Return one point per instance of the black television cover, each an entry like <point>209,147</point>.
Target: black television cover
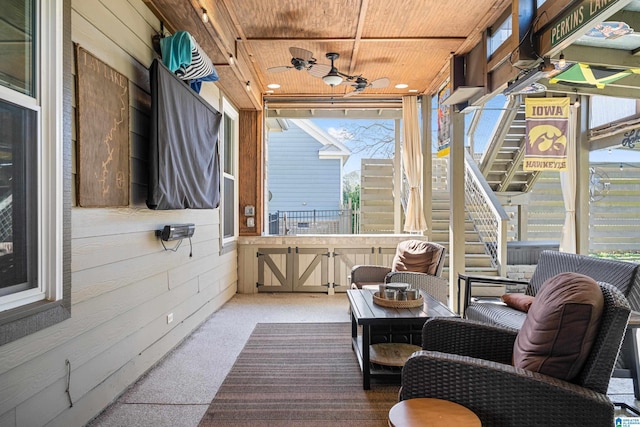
<point>184,166</point>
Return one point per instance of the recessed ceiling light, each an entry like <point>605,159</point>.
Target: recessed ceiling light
<point>402,86</point>
<point>273,86</point>
<point>413,90</point>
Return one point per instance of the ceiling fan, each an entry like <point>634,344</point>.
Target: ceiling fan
<point>302,59</point>
<point>335,77</point>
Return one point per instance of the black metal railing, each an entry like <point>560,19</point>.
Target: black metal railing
<point>339,221</point>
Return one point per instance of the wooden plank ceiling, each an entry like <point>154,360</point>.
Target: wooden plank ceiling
<point>406,41</point>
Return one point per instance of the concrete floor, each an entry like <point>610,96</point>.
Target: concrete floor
<point>178,390</point>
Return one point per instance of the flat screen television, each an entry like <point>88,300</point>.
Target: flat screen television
<point>184,166</point>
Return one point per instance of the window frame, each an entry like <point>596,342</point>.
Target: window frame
<point>28,311</point>
<point>229,111</point>
<point>503,24</point>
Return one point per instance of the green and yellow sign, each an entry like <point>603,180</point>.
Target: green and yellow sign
<point>582,15</point>
<point>547,122</point>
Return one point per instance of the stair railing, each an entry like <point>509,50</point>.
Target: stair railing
<point>488,216</point>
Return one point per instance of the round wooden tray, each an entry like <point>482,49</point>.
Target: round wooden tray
<point>397,303</point>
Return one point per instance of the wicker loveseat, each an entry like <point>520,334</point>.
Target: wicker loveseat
<point>470,363</point>
<point>625,276</point>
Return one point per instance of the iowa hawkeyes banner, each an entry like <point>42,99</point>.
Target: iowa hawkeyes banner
<point>547,121</point>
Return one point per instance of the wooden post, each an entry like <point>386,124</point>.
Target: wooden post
<point>582,177</point>
<point>457,208</point>
<point>427,164</point>
<point>397,182</point>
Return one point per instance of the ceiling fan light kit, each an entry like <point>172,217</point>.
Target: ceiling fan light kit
<point>333,78</point>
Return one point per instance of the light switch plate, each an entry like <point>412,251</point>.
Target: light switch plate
<point>249,210</point>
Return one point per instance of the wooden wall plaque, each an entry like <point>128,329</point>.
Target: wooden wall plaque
<point>102,103</point>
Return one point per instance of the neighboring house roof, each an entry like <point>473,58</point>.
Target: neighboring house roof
<point>332,147</point>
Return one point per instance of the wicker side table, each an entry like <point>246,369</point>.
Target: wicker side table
<point>431,412</point>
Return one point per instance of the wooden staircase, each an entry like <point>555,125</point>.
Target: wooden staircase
<point>376,206</point>
<point>502,161</point>
<point>476,259</point>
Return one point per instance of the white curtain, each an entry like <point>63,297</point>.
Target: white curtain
<point>568,184</point>
<point>412,160</point>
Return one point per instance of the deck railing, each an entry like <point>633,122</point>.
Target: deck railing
<point>488,216</point>
<point>313,221</point>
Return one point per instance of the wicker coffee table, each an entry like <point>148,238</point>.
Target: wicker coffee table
<point>387,325</point>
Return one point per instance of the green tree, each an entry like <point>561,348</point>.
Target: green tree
<point>351,190</point>
<point>354,195</point>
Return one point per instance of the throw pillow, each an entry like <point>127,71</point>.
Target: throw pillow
<point>561,325</point>
<point>520,302</point>
<point>416,256</point>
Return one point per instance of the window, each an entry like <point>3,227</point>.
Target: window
<point>17,25</point>
<point>31,152</point>
<point>498,34</point>
<point>229,166</point>
<point>18,197</point>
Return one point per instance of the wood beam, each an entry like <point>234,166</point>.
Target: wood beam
<point>356,42</point>
<point>336,113</point>
<point>351,39</point>
<point>250,172</point>
<point>601,56</point>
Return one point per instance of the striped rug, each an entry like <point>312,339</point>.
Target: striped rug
<point>303,374</point>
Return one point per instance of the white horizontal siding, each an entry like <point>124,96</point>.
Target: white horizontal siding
<point>123,282</point>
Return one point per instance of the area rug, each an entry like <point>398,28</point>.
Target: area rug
<point>303,374</point>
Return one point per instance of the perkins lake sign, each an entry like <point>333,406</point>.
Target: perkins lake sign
<point>582,16</point>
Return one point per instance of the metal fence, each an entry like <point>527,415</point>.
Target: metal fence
<point>339,221</point>
<point>6,219</point>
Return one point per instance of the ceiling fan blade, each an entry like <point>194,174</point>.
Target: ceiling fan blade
<point>380,83</point>
<point>278,69</point>
<point>319,70</point>
<point>303,54</point>
<point>353,92</point>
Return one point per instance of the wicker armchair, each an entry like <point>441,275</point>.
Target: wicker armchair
<point>424,259</point>
<point>469,362</point>
<point>623,275</point>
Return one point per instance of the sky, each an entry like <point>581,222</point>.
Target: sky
<point>492,111</point>
<point>335,128</point>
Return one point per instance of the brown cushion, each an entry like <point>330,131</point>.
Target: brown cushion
<point>560,327</point>
<point>416,256</point>
<point>520,302</point>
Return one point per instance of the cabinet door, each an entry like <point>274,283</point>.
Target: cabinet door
<point>311,269</point>
<point>275,269</point>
